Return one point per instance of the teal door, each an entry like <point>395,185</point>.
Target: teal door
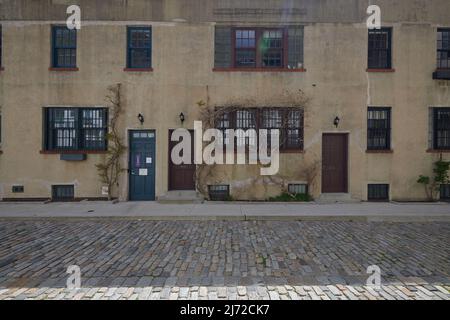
<point>142,165</point>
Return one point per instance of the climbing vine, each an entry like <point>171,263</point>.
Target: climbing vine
<point>110,168</point>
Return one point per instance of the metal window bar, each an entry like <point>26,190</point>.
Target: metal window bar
<point>378,129</point>
<point>219,192</point>
<point>272,48</point>
<point>442,128</point>
<point>63,192</point>
<point>139,47</point>
<point>94,128</point>
<point>298,188</point>
<point>443,49</point>
<point>64,47</point>
<point>245,47</point>
<point>380,50</point>
<point>378,192</point>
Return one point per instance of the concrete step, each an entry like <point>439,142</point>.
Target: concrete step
<point>336,198</point>
<point>181,197</point>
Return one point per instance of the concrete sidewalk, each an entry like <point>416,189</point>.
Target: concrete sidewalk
<point>230,211</point>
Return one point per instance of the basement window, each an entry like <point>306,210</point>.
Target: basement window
<point>298,188</point>
<point>378,192</point>
<point>18,189</point>
<point>219,192</point>
<point>445,192</point>
<point>63,192</point>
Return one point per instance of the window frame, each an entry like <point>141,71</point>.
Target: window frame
<point>387,133</point>
<point>80,132</point>
<point>259,112</point>
<point>389,63</point>
<point>129,49</point>
<point>259,32</point>
<point>438,51</point>
<point>435,129</point>
<point>55,49</point>
<point>1,47</point>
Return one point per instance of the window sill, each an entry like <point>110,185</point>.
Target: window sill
<point>438,151</point>
<point>63,69</point>
<point>380,70</point>
<point>379,151</point>
<point>73,152</point>
<point>257,70</point>
<point>138,69</point>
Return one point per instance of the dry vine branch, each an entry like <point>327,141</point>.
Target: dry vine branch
<point>110,169</point>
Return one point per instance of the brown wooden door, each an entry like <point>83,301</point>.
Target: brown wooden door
<point>334,163</point>
<point>181,177</point>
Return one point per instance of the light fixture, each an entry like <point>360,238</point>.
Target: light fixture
<point>141,118</point>
<point>182,117</point>
<point>336,122</point>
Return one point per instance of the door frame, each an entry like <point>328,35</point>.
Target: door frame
<point>346,160</point>
<point>169,151</point>
<point>129,134</point>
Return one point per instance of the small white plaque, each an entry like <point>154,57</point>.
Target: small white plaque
<point>149,160</point>
<point>143,172</point>
<point>105,190</point>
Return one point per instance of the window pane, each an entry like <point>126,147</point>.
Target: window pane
<point>379,56</point>
<point>245,58</point>
<point>378,128</point>
<point>139,47</point>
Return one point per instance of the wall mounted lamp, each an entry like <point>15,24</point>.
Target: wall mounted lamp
<point>141,118</point>
<point>336,122</point>
<point>182,117</point>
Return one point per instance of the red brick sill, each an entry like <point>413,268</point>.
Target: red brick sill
<point>438,151</point>
<point>138,69</point>
<point>63,69</point>
<point>379,151</point>
<point>73,152</point>
<point>257,70</point>
<point>380,70</point>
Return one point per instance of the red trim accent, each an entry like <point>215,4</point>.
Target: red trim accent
<point>73,152</point>
<point>438,151</point>
<point>379,151</point>
<point>138,69</point>
<point>380,70</point>
<point>257,70</point>
<point>63,69</point>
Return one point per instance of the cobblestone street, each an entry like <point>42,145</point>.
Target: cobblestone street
<point>131,259</point>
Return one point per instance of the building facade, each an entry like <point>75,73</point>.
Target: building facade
<point>361,112</point>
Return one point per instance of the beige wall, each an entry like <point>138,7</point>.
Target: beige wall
<point>336,81</point>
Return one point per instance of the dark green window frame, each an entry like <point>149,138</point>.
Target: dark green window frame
<point>75,129</point>
<point>139,47</point>
<point>64,47</point>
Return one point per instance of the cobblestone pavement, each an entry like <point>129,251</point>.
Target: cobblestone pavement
<point>125,259</point>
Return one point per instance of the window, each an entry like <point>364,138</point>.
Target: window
<point>441,128</point>
<point>139,48</point>
<point>18,189</point>
<point>288,120</point>
<point>379,129</point>
<point>443,49</point>
<point>378,192</point>
<point>62,192</point>
<point>380,49</point>
<point>298,188</point>
<point>64,47</point>
<point>445,192</point>
<point>259,47</point>
<point>1,46</point>
<point>75,129</point>
<point>219,192</point>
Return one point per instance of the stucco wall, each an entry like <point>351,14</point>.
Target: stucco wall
<point>336,81</point>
